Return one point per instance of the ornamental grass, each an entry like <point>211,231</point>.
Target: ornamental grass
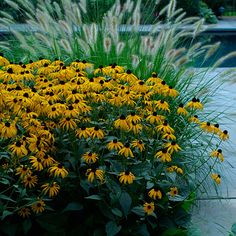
<point>107,134</point>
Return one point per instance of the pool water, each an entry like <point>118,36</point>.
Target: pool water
<point>228,44</point>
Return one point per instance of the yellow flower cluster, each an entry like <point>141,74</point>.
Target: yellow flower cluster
<point>92,105</point>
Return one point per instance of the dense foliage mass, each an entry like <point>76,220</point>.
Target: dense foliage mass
<point>100,151</point>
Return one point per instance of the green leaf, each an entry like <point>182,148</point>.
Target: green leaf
<point>233,228</point>
<point>2,196</point>
<point>175,232</point>
<point>94,197</point>
<point>138,210</point>
<point>112,228</point>
<point>27,224</point>
<point>5,181</point>
<point>73,206</point>
<point>125,202</point>
<point>116,212</point>
<point>142,230</point>
<point>5,214</point>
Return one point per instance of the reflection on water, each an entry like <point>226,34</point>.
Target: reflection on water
<point>228,44</point>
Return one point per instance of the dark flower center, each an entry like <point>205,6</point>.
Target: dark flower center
<point>115,141</point>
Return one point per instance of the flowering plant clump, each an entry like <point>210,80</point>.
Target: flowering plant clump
<point>100,151</point>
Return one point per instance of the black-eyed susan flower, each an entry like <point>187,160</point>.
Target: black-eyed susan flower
<point>97,133</point>
<point>136,128</point>
<point>148,207</point>
<point>173,191</point>
<point>22,171</point>
<point>30,180</point>
<point>164,155</point>
<point>83,132</point>
<point>162,105</point>
<point>122,123</point>
<point>18,149</point>
<point>58,170</point>
<point>181,110</point>
<point>217,153</point>
<point>155,194</point>
<point>126,177</point>
<point>170,91</point>
<point>8,129</point>
<point>24,212</point>
<point>195,104</point>
<point>154,118</point>
<point>133,118</point>
<point>126,151</point>
<point>206,126</point>
<point>93,173</point>
<point>138,144</point>
<point>129,77</point>
<point>172,147</point>
<point>194,119</point>
<point>38,207</point>
<point>165,128</point>
<point>216,128</point>
<point>67,123</point>
<point>47,160</point>
<point>216,178</point>
<point>169,136</point>
<point>154,79</point>
<point>52,189</point>
<point>176,169</point>
<point>224,135</point>
<point>115,145</point>
<point>36,162</point>
<point>90,157</point>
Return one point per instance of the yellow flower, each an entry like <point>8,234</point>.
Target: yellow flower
<point>181,110</point>
<point>138,144</point>
<point>224,135</point>
<point>173,146</point>
<point>37,163</point>
<point>51,188</point>
<point>97,133</point>
<point>126,177</point>
<point>47,160</point>
<point>155,193</point>
<point>194,119</point>
<point>24,212</point>
<point>126,151</point>
<point>114,145</point>
<point>83,132</point>
<point>94,172</point>
<point>58,170</point>
<point>164,155</point>
<point>8,130</point>
<point>148,207</point>
<point>133,118</point>
<point>90,157</point>
<point>18,149</point>
<point>154,118</point>
<point>67,123</point>
<point>173,191</point>
<point>216,177</point>
<point>164,128</point>
<point>38,207</point>
<point>162,105</point>
<point>176,169</point>
<point>23,171</point>
<point>169,136</point>
<point>195,104</point>
<point>154,79</point>
<point>206,126</point>
<point>30,180</point>
<point>217,153</point>
<point>122,123</point>
<point>135,128</point>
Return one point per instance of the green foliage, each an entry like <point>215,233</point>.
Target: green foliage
<point>207,13</point>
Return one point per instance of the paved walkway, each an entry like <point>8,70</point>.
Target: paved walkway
<point>216,213</point>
